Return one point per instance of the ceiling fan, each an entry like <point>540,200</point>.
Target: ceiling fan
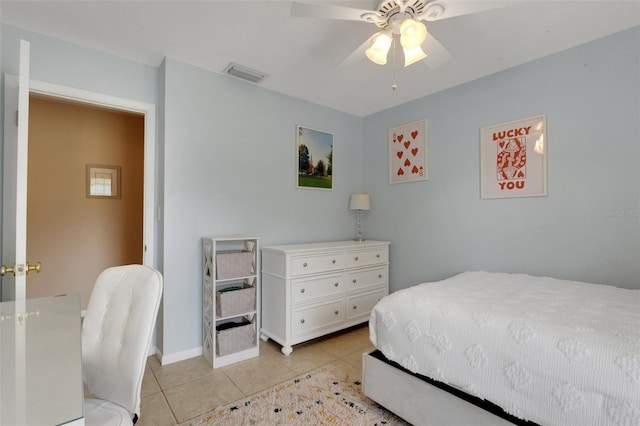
<point>398,19</point>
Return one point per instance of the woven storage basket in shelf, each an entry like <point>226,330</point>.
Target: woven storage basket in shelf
<point>235,302</point>
<point>233,264</point>
<point>235,337</point>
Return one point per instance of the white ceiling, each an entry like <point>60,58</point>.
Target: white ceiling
<point>301,55</point>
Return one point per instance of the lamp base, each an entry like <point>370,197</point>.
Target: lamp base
<point>359,234</point>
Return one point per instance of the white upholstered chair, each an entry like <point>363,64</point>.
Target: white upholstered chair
<point>116,335</point>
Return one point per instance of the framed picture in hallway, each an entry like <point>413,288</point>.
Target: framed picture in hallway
<point>103,181</point>
<point>513,159</point>
<point>314,157</point>
<point>408,156</point>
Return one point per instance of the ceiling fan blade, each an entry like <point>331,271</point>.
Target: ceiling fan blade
<point>438,10</point>
<point>357,55</point>
<point>437,54</point>
<point>327,11</point>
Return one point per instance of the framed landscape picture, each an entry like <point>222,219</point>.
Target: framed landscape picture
<point>314,153</point>
<point>513,159</point>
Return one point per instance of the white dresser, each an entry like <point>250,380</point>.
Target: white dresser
<point>310,290</point>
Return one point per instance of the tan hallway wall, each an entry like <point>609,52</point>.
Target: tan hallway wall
<point>76,237</point>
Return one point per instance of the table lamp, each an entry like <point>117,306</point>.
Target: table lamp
<point>359,203</point>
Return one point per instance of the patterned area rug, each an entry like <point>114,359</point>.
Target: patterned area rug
<point>322,397</point>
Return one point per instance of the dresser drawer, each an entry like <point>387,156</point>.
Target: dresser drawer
<point>308,289</point>
<point>367,257</point>
<point>369,277</point>
<point>362,305</point>
<point>302,265</point>
<point>310,319</point>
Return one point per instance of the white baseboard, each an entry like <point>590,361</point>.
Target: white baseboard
<point>152,350</point>
<point>178,356</point>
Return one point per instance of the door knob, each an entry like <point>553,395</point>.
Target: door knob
<point>37,267</point>
<point>7,270</point>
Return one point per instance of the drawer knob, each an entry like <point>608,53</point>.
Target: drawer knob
<point>355,307</point>
<point>354,280</point>
<point>302,290</point>
<point>336,284</point>
<point>337,312</point>
<point>304,265</point>
<point>378,256</point>
<point>356,258</point>
<point>380,276</point>
<point>333,261</point>
<point>302,321</point>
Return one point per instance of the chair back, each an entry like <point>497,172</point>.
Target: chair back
<point>116,333</point>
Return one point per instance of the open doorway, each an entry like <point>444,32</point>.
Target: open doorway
<point>73,234</point>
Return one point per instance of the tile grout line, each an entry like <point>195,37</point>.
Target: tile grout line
<point>164,397</point>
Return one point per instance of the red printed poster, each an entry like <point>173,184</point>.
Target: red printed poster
<point>513,159</point>
<point>408,153</point>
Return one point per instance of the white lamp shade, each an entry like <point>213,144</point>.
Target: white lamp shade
<point>377,53</point>
<point>411,56</point>
<point>412,33</point>
<point>359,202</point>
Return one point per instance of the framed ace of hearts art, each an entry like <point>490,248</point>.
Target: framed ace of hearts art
<point>408,153</point>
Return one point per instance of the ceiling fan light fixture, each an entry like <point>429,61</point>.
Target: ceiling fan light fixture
<point>379,50</point>
<point>412,33</point>
<point>411,56</point>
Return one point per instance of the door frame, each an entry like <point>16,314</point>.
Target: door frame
<point>122,104</point>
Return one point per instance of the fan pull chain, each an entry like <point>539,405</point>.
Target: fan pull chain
<point>394,85</point>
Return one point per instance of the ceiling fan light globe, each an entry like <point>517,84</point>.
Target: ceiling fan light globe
<point>412,33</point>
<point>376,57</point>
<point>411,56</point>
<point>378,52</point>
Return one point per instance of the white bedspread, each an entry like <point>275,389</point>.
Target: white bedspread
<point>551,351</point>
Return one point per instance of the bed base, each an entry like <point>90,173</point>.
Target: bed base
<point>422,401</point>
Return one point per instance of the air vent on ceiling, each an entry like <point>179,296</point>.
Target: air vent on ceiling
<point>245,73</point>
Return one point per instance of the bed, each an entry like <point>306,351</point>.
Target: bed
<point>494,348</point>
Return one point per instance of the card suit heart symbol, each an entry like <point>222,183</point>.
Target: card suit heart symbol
<point>399,154</point>
<point>400,137</point>
<point>400,172</point>
<point>414,170</point>
<point>414,151</point>
<point>407,163</point>
<point>501,145</point>
<point>414,134</point>
<point>406,144</point>
<point>520,174</point>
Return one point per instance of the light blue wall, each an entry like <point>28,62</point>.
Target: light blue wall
<point>55,61</point>
<point>230,158</point>
<point>587,228</point>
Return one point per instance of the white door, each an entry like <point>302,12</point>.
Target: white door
<point>14,202</point>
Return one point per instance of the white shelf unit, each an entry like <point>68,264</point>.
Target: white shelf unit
<point>213,254</point>
<point>314,289</point>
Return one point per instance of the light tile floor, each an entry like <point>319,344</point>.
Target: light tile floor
<point>177,392</point>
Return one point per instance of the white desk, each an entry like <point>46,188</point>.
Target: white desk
<point>40,362</point>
